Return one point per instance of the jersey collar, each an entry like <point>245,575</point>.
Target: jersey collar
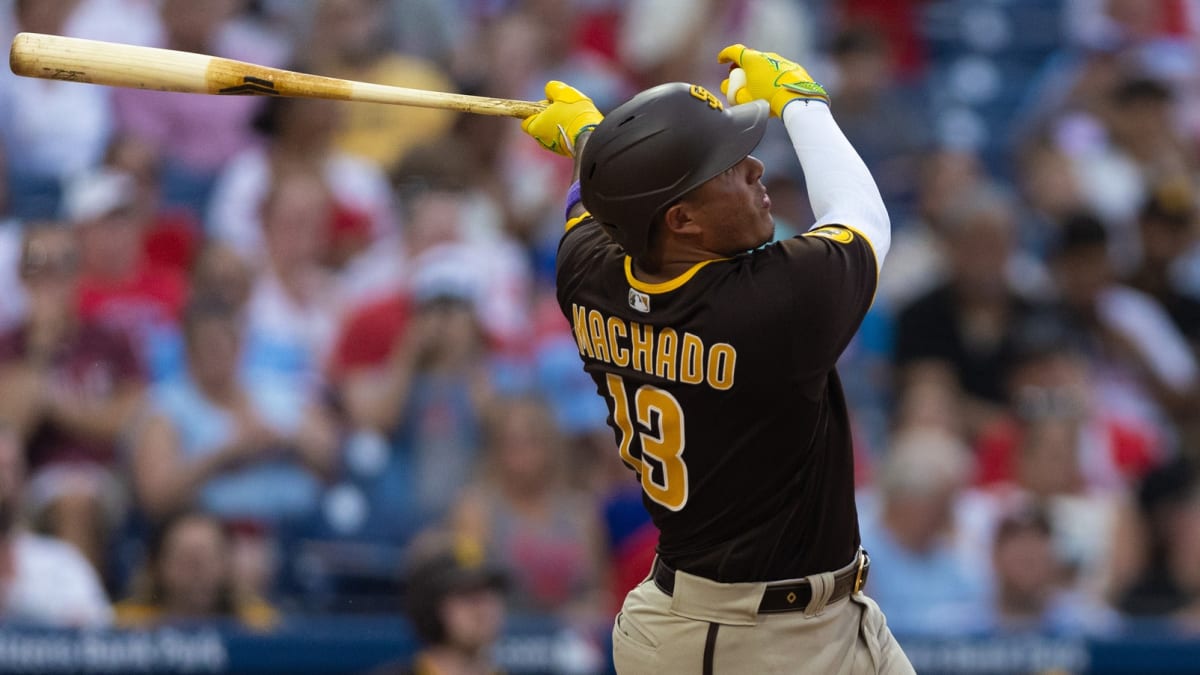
<point>664,286</point>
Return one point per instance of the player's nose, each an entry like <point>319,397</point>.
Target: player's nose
<point>754,168</point>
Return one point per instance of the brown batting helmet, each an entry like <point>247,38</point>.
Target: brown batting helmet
<point>655,148</point>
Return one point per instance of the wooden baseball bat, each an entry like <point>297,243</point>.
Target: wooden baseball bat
<point>55,57</point>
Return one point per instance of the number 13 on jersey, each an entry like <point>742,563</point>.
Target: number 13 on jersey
<point>660,437</point>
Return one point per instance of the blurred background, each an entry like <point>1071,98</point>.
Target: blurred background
<point>284,386</point>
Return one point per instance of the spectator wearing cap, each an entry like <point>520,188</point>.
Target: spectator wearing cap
<point>119,286</point>
<point>454,599</point>
<point>429,398</point>
<point>1140,361</point>
<point>172,235</point>
<point>1139,147</point>
<point>70,387</point>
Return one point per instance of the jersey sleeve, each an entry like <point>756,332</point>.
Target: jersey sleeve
<point>583,240</point>
<point>831,278</point>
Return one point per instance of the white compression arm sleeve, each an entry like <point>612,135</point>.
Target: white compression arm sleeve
<point>840,187</point>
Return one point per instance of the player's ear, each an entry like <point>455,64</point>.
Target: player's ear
<point>678,219</point>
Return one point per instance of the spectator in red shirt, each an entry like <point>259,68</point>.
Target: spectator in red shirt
<point>70,387</point>
<point>1050,389</point>
<point>119,286</point>
<point>172,234</point>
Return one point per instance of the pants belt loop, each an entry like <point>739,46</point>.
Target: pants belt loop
<point>822,589</point>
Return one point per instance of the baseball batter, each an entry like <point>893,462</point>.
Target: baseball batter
<point>715,352</point>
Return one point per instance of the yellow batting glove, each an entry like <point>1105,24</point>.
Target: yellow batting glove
<point>769,77</point>
<point>568,114</point>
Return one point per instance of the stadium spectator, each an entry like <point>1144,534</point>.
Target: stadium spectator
<point>1142,364</point>
<point>548,537</point>
<point>298,136</point>
<point>1051,190</point>
<point>348,40</point>
<point>438,385</point>
<point>447,199</point>
<point>1029,594</point>
<point>172,234</point>
<point>50,130</point>
<point>963,327</point>
<point>119,287</point>
<point>1158,573</point>
<point>70,388</point>
<point>187,579</point>
<point>238,447</point>
<point>919,575</point>
<point>43,581</point>
<point>1050,384</point>
<point>1140,145</point>
<point>292,313</point>
<point>1071,457</point>
<point>916,264</point>
<point>455,600</point>
<point>196,136</point>
<point>1167,225</point>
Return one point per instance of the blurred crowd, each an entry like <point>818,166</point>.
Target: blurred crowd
<point>251,349</point>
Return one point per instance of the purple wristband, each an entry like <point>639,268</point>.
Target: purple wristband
<point>573,198</point>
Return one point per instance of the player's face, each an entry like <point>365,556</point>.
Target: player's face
<point>733,209</point>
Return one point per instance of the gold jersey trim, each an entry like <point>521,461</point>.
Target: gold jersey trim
<point>576,220</point>
<point>664,286</point>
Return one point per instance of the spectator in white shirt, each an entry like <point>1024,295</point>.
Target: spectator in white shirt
<point>43,581</point>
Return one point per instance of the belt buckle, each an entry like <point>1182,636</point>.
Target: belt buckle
<point>858,576</point>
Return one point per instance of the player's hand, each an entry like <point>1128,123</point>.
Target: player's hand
<point>568,114</point>
<point>766,76</point>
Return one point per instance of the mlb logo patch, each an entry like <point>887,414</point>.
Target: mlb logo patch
<point>639,301</point>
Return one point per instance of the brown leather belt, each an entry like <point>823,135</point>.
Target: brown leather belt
<point>787,596</point>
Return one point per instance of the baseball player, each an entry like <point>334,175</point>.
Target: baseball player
<point>715,352</point>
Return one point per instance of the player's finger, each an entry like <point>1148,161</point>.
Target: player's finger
<point>554,89</point>
<point>732,54</point>
<point>734,85</point>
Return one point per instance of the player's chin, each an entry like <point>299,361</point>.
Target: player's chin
<point>765,232</point>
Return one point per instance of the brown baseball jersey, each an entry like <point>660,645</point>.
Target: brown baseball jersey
<point>723,396</point>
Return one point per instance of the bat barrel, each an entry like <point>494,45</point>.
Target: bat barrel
<point>119,65</point>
